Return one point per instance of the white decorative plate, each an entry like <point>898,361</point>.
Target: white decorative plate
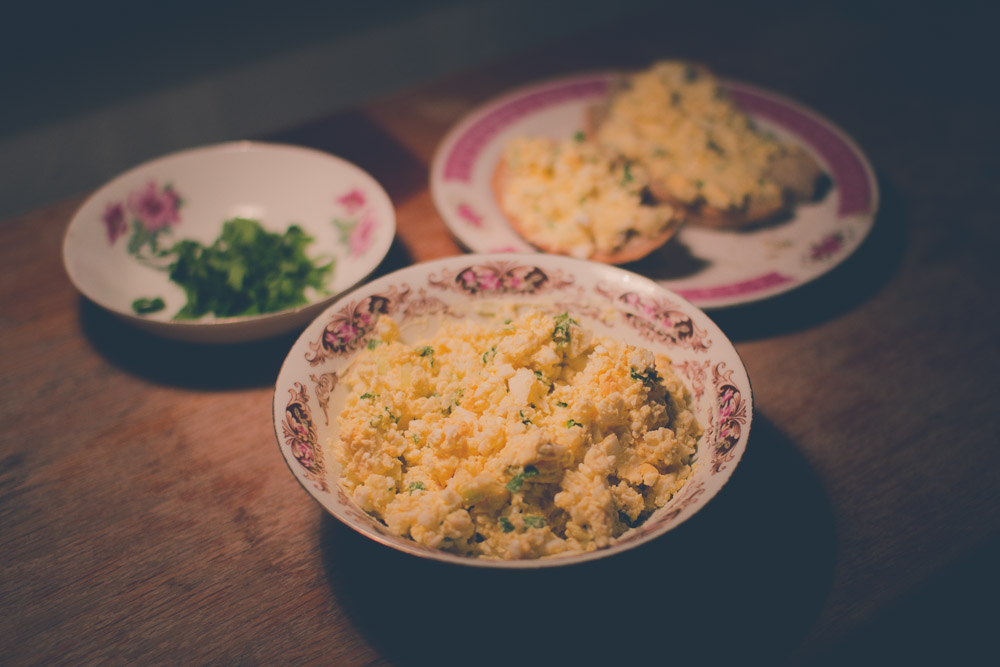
<point>188,195</point>
<point>609,300</point>
<point>711,268</point>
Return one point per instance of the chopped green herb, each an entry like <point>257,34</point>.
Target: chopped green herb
<point>427,351</point>
<point>505,525</point>
<point>627,177</point>
<point>414,486</point>
<point>246,271</point>
<point>579,136</point>
<point>394,418</point>
<point>508,321</point>
<point>562,404</point>
<point>368,395</point>
<point>489,354</point>
<point>649,377</point>
<point>416,438</point>
<point>372,343</point>
<point>524,420</point>
<point>147,306</point>
<point>515,483</point>
<point>532,521</point>
<point>560,334</point>
<point>539,375</point>
<point>375,423</point>
<point>572,422</point>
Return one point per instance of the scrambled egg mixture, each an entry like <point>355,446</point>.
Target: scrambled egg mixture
<point>574,198</point>
<point>676,120</point>
<point>518,438</point>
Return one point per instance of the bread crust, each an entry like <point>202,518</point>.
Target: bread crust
<point>632,250</point>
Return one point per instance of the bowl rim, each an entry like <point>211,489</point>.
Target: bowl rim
<point>439,555</point>
<point>202,325</point>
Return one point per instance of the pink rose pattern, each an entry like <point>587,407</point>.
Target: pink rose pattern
<point>155,208</point>
<point>152,210</point>
<point>732,417</point>
<point>358,229</point>
<point>114,221</point>
<point>827,247</point>
<point>466,213</point>
<point>499,278</point>
<point>346,330</point>
<point>299,433</point>
<point>660,321</point>
<point>352,201</point>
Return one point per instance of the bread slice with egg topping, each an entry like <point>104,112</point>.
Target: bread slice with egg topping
<point>701,150</point>
<point>571,197</point>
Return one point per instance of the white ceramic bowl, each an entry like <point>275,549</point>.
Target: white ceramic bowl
<point>308,395</point>
<point>188,195</point>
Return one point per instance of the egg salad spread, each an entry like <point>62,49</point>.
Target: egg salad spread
<point>677,121</point>
<point>520,437</point>
<point>572,197</point>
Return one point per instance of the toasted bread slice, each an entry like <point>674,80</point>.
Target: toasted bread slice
<point>630,240</point>
<point>702,151</point>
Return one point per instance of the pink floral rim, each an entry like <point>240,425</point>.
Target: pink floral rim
<point>659,319</point>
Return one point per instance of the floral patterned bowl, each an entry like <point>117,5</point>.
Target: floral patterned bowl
<point>308,395</point>
<point>116,242</point>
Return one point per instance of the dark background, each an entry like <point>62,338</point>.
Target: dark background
<point>94,88</point>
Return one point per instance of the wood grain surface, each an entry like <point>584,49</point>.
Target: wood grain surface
<point>146,515</point>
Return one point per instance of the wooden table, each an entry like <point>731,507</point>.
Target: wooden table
<point>146,514</point>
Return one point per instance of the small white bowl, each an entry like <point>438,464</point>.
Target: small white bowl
<point>189,194</point>
<point>308,395</point>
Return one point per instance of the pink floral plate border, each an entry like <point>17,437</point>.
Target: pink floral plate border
<point>612,300</point>
<point>458,185</point>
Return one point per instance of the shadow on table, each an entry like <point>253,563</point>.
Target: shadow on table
<point>948,620</point>
<point>197,365</point>
<point>845,287</point>
<point>746,577</point>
